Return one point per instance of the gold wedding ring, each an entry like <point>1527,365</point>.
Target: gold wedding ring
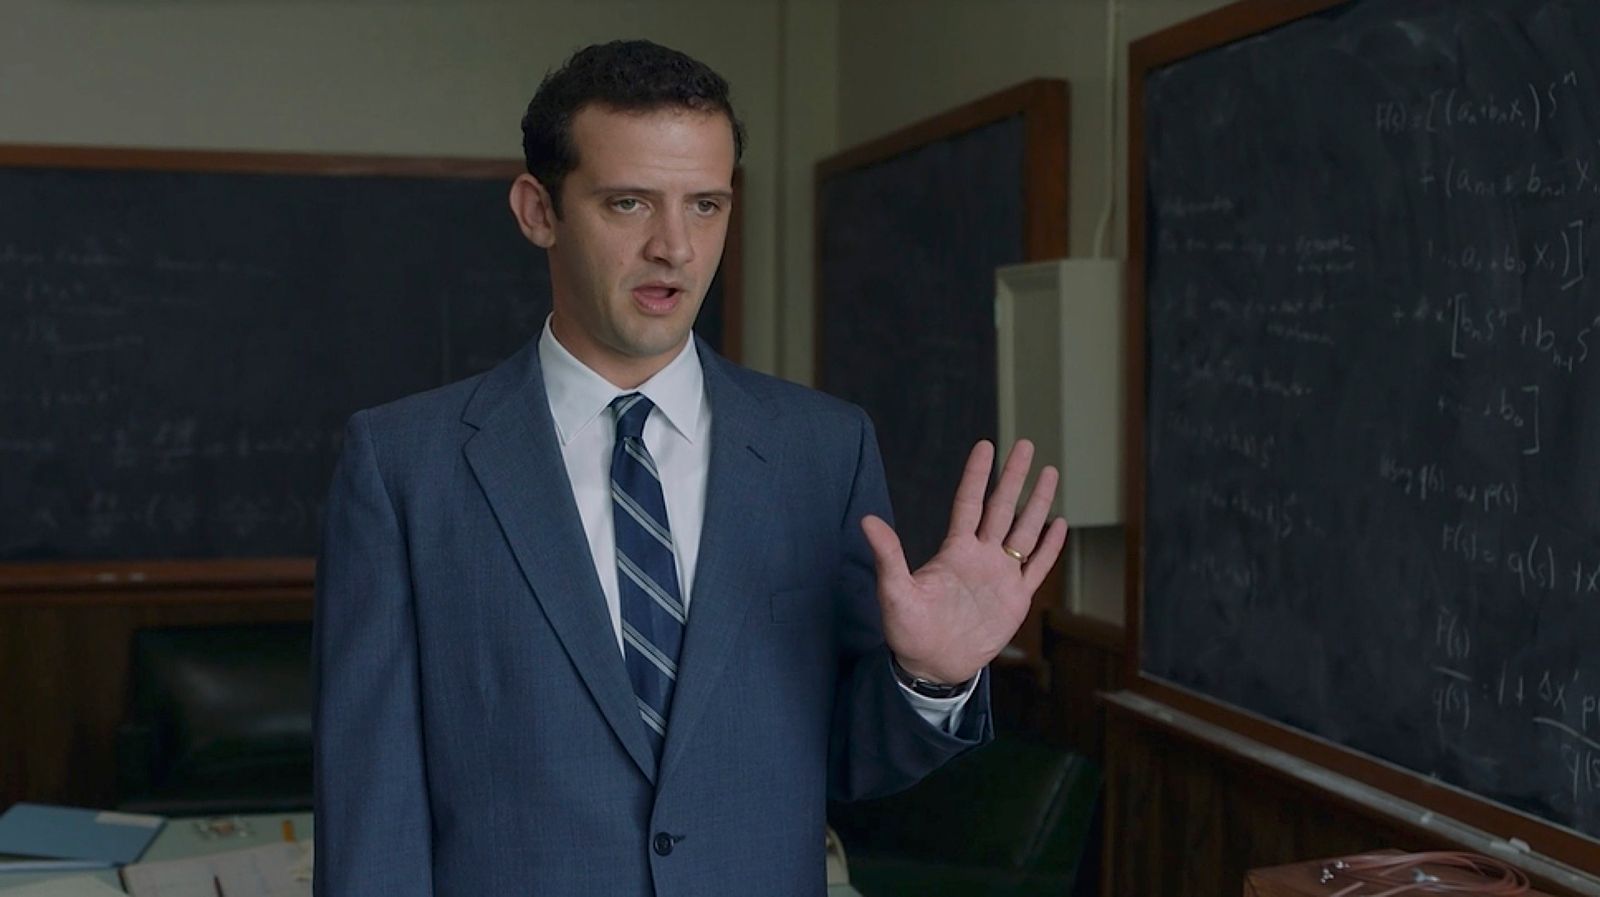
<point>1021,558</point>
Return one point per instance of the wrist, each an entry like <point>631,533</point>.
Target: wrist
<point>926,685</point>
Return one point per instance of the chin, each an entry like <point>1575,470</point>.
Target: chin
<point>657,343</point>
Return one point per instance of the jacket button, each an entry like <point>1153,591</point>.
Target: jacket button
<point>663,843</point>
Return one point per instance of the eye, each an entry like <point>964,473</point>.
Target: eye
<point>625,204</point>
<point>708,207</point>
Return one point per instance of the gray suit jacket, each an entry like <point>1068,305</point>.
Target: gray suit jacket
<point>476,733</point>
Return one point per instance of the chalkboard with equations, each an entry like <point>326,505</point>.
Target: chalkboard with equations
<point>183,335</point>
<point>1371,385</point>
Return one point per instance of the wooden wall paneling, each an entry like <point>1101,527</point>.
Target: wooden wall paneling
<point>1085,660</point>
<point>1188,816</point>
<point>1188,821</point>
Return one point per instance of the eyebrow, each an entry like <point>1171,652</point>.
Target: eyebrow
<point>642,191</point>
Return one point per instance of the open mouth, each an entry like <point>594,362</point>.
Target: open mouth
<point>657,298</point>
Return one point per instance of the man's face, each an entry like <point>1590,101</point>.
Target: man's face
<point>644,218</point>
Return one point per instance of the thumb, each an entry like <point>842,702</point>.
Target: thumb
<point>886,551</point>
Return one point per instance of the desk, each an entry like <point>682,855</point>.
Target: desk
<point>182,838</point>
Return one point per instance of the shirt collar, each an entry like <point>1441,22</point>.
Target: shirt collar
<point>578,395</point>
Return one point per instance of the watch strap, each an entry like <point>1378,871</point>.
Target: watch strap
<point>927,688</point>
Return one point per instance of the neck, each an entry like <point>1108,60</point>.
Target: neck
<point>621,371</point>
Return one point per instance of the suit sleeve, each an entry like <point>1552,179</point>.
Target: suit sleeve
<point>880,743</point>
<point>373,830</point>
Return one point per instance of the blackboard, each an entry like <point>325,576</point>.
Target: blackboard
<point>1371,386</point>
<point>182,337</point>
<point>910,228</point>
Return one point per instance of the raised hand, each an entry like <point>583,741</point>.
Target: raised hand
<point>948,619</point>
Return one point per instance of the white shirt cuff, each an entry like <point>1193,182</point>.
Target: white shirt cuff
<point>944,714</point>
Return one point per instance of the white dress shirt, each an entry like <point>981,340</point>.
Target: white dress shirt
<point>678,436</point>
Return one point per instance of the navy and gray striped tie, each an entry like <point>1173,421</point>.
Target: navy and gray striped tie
<point>653,611</point>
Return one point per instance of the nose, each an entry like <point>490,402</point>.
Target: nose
<point>669,242</point>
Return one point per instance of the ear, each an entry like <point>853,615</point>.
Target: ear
<point>530,205</point>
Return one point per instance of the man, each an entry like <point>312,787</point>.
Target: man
<point>615,617</point>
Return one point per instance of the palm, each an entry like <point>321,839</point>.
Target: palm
<point>951,616</point>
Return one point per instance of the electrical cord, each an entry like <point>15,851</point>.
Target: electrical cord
<point>1479,874</point>
<point>1101,231</point>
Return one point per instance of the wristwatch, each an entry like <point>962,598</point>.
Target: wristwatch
<point>926,687</point>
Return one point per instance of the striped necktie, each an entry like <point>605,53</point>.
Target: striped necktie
<point>653,611</point>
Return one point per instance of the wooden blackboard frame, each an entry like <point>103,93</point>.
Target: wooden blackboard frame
<point>1226,25</point>
<point>90,582</point>
<point>1044,106</point>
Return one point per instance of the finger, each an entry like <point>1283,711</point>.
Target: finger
<point>1044,555</point>
<point>888,556</point>
<point>1002,504</point>
<point>1024,533</point>
<point>967,510</point>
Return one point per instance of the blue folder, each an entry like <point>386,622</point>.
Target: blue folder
<point>71,833</point>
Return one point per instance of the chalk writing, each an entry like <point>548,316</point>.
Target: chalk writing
<point>1452,706</point>
<point>1565,346</point>
<point>45,332</point>
<point>1532,565</point>
<point>1461,180</point>
<point>14,256</point>
<point>1181,207</point>
<point>1249,307</point>
<point>108,514</point>
<point>1324,254</point>
<point>1560,255</point>
<point>1294,334</point>
<point>1412,480</point>
<point>166,444</point>
<point>1450,633</point>
<point>1279,513</point>
<point>1224,373</point>
<point>1517,409</point>
<point>1236,575</point>
<point>1257,448</point>
<point>1582,761</point>
<point>1530,109</point>
<point>1429,481</point>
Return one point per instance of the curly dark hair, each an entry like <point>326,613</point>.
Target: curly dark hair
<point>626,75</point>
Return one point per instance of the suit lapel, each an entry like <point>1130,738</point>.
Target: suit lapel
<point>517,460</point>
<point>729,578</point>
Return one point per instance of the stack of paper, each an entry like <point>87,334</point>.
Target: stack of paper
<point>273,870</point>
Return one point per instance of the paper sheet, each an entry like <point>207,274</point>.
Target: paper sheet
<point>76,886</point>
<point>272,870</point>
